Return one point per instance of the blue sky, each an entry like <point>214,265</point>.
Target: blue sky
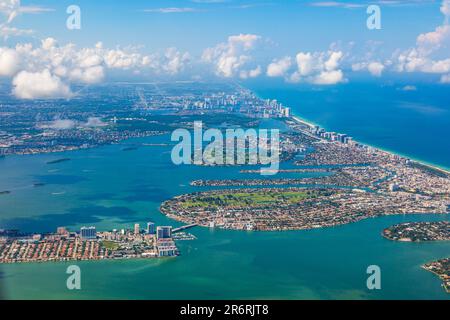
<point>316,42</point>
<point>292,25</point>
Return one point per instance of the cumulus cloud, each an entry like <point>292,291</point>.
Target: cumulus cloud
<point>229,57</point>
<point>244,74</point>
<point>36,85</point>
<point>279,67</point>
<point>375,68</point>
<point>414,61</point>
<point>88,75</point>
<point>427,56</point>
<point>320,68</point>
<point>9,62</point>
<point>421,58</point>
<point>328,77</point>
<point>66,64</point>
<point>431,41</point>
<point>175,61</point>
<point>120,59</point>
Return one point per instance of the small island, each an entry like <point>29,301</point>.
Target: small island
<point>418,231</point>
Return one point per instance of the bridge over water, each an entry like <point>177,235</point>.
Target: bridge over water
<point>184,227</point>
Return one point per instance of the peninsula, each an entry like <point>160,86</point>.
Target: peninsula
<point>88,244</point>
<point>419,231</point>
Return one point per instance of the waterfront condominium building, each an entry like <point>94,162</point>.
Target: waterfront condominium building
<point>163,232</point>
<point>88,233</point>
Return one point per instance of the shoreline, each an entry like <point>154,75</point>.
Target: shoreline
<point>310,123</point>
<point>438,275</point>
<point>442,169</point>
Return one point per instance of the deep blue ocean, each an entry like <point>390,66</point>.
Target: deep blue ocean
<point>414,123</point>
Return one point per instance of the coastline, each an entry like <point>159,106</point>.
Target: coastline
<point>443,169</point>
<point>439,276</point>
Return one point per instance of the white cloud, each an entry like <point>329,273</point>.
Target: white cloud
<point>365,4</point>
<point>229,57</point>
<point>94,122</point>
<point>333,61</point>
<point>170,10</point>
<point>48,43</point>
<point>67,124</point>
<point>9,62</point>
<point>346,5</point>
<point>320,68</point>
<point>421,58</point>
<point>34,9</point>
<point>431,41</point>
<point>59,124</point>
<point>66,63</point>
<point>244,74</point>
<point>445,8</point>
<point>414,61</point>
<point>175,61</point>
<point>328,77</point>
<point>279,68</point>
<point>35,85</point>
<point>375,68</point>
<point>6,32</point>
<point>305,63</point>
<point>119,59</point>
<point>10,9</point>
<point>89,75</point>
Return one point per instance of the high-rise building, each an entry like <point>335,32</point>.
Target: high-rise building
<point>88,233</point>
<point>151,229</point>
<point>342,137</point>
<point>136,228</point>
<point>167,248</point>
<point>163,232</point>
